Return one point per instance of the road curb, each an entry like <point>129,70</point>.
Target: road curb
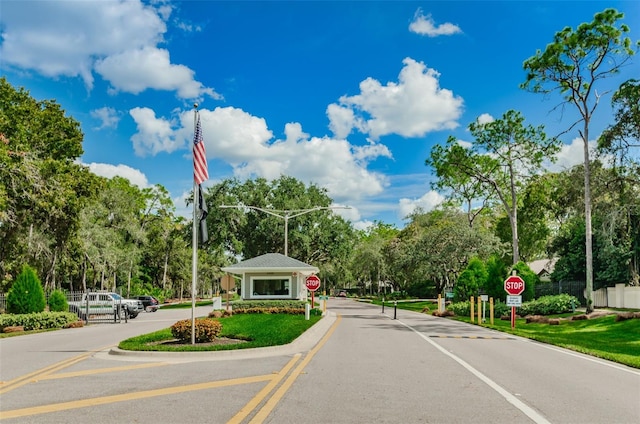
<point>304,343</point>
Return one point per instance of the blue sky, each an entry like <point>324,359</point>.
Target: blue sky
<point>348,95</point>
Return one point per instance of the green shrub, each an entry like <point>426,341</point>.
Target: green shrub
<point>58,302</point>
<point>460,308</point>
<point>26,294</point>
<point>38,320</point>
<point>500,309</point>
<point>268,306</point>
<point>549,305</point>
<point>206,330</point>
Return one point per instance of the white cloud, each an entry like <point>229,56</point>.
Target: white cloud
<point>109,171</point>
<point>428,202</point>
<point>74,39</point>
<point>247,144</point>
<point>154,135</point>
<point>485,118</point>
<point>464,144</point>
<point>107,116</point>
<point>363,225</point>
<point>425,25</point>
<point>341,120</point>
<point>570,155</point>
<point>412,107</point>
<point>134,71</point>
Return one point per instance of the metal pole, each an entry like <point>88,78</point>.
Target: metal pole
<point>286,234</point>
<point>194,246</point>
<point>285,216</point>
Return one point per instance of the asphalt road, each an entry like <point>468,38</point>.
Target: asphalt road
<point>357,365</point>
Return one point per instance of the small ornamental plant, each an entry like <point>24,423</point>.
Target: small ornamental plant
<point>206,330</point>
<point>58,302</point>
<point>26,294</point>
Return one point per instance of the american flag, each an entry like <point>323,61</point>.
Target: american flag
<point>200,169</point>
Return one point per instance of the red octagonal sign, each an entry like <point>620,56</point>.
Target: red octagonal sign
<point>514,285</point>
<point>313,283</point>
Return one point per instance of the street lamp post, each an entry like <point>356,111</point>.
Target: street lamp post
<point>285,214</point>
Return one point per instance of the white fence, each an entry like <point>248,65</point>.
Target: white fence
<point>620,296</point>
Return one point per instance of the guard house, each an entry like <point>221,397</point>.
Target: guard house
<point>272,276</point>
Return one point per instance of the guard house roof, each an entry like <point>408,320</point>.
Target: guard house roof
<point>271,262</point>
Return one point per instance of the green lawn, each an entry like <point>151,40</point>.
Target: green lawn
<point>601,337</point>
<point>259,330</point>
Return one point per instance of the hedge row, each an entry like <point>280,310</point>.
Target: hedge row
<point>38,320</point>
<point>264,306</point>
<point>545,305</point>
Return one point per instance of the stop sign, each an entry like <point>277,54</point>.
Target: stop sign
<point>312,282</point>
<point>514,285</point>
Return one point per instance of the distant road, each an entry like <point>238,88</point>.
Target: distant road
<point>366,368</point>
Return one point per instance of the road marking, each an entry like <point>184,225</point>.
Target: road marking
<point>526,409</point>
<point>445,336</point>
<point>585,357</point>
<point>44,372</point>
<point>101,371</point>
<point>85,403</point>
<point>263,413</point>
<point>253,403</point>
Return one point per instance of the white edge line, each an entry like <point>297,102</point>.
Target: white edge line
<point>583,356</point>
<point>528,411</point>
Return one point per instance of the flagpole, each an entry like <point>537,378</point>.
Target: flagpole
<point>194,246</point>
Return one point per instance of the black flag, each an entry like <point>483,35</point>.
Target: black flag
<point>204,211</point>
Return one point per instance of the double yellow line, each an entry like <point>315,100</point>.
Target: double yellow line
<point>264,412</point>
<point>259,417</point>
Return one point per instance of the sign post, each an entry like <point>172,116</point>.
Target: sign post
<point>227,283</point>
<point>514,286</point>
<point>313,283</point>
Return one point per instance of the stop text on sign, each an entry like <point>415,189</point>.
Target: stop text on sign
<point>312,282</point>
<point>514,285</point>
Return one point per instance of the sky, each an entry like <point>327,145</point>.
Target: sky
<point>348,95</point>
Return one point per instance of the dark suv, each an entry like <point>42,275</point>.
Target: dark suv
<point>150,303</point>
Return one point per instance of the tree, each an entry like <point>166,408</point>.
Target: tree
<point>42,188</point>
<point>620,137</point>
<point>530,280</point>
<point>497,272</point>
<point>573,64</point>
<point>437,246</point>
<point>503,156</point>
<point>619,140</point>
<point>26,294</point>
<point>58,302</point>
<point>471,280</point>
<point>534,218</point>
<point>460,188</point>
<point>368,263</point>
<point>314,236</point>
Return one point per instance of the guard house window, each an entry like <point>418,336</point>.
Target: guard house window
<point>270,287</point>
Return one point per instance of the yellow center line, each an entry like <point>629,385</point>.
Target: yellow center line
<point>85,403</point>
<point>102,370</point>
<point>42,373</point>
<point>271,403</point>
<point>253,403</point>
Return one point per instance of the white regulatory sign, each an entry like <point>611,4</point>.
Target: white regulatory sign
<point>514,300</point>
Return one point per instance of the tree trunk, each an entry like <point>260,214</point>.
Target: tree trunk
<point>587,218</point>
<point>164,271</point>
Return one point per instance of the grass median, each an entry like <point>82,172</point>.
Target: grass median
<point>254,330</point>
